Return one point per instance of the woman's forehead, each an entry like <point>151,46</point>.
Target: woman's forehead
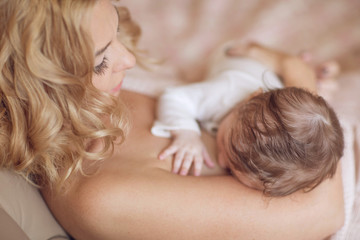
<point>104,20</point>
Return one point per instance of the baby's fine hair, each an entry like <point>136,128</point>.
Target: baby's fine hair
<point>289,139</point>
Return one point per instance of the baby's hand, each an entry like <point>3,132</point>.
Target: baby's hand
<point>188,149</point>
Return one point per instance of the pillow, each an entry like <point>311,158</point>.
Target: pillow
<point>9,229</point>
<point>25,205</point>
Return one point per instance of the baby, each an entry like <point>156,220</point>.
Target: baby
<point>276,140</point>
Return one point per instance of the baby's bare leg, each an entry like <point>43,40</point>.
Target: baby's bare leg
<point>267,56</point>
<point>293,70</point>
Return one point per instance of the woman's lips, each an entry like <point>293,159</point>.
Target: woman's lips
<point>117,88</point>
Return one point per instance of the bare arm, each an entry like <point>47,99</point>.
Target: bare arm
<point>158,205</point>
<point>134,196</point>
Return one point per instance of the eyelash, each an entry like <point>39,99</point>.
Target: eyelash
<point>100,69</point>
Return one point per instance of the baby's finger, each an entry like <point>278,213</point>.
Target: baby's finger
<point>167,152</point>
<point>197,165</point>
<point>207,159</point>
<point>186,164</point>
<point>179,157</point>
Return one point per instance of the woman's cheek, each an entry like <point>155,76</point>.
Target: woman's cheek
<point>102,82</point>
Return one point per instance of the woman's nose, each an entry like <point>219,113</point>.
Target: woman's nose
<point>125,59</point>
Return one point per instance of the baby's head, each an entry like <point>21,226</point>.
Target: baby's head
<point>281,141</point>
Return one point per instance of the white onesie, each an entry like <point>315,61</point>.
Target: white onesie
<point>230,80</point>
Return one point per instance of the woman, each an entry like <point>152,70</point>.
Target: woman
<point>61,61</point>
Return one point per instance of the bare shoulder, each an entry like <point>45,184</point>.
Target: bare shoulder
<point>101,201</point>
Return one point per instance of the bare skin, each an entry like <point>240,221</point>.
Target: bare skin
<point>296,71</point>
<point>135,196</point>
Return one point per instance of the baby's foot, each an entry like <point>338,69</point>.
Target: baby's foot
<point>328,70</point>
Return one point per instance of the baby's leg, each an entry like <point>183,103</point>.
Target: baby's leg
<point>293,70</point>
<point>267,56</point>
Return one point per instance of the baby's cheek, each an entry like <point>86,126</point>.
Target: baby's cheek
<point>221,160</point>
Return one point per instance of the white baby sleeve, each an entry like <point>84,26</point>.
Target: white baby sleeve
<point>177,109</point>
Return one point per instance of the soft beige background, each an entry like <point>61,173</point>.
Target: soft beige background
<point>183,32</point>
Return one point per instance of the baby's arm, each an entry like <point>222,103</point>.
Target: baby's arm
<point>188,149</point>
<point>178,109</point>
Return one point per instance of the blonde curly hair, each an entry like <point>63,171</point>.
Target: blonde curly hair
<point>50,113</point>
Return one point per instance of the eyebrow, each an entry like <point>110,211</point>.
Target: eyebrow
<point>102,50</point>
<point>99,52</point>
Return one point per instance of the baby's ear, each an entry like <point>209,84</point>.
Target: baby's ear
<point>257,92</point>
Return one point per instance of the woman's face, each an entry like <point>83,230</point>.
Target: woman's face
<point>111,56</point>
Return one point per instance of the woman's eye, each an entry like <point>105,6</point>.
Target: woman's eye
<point>101,68</point>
